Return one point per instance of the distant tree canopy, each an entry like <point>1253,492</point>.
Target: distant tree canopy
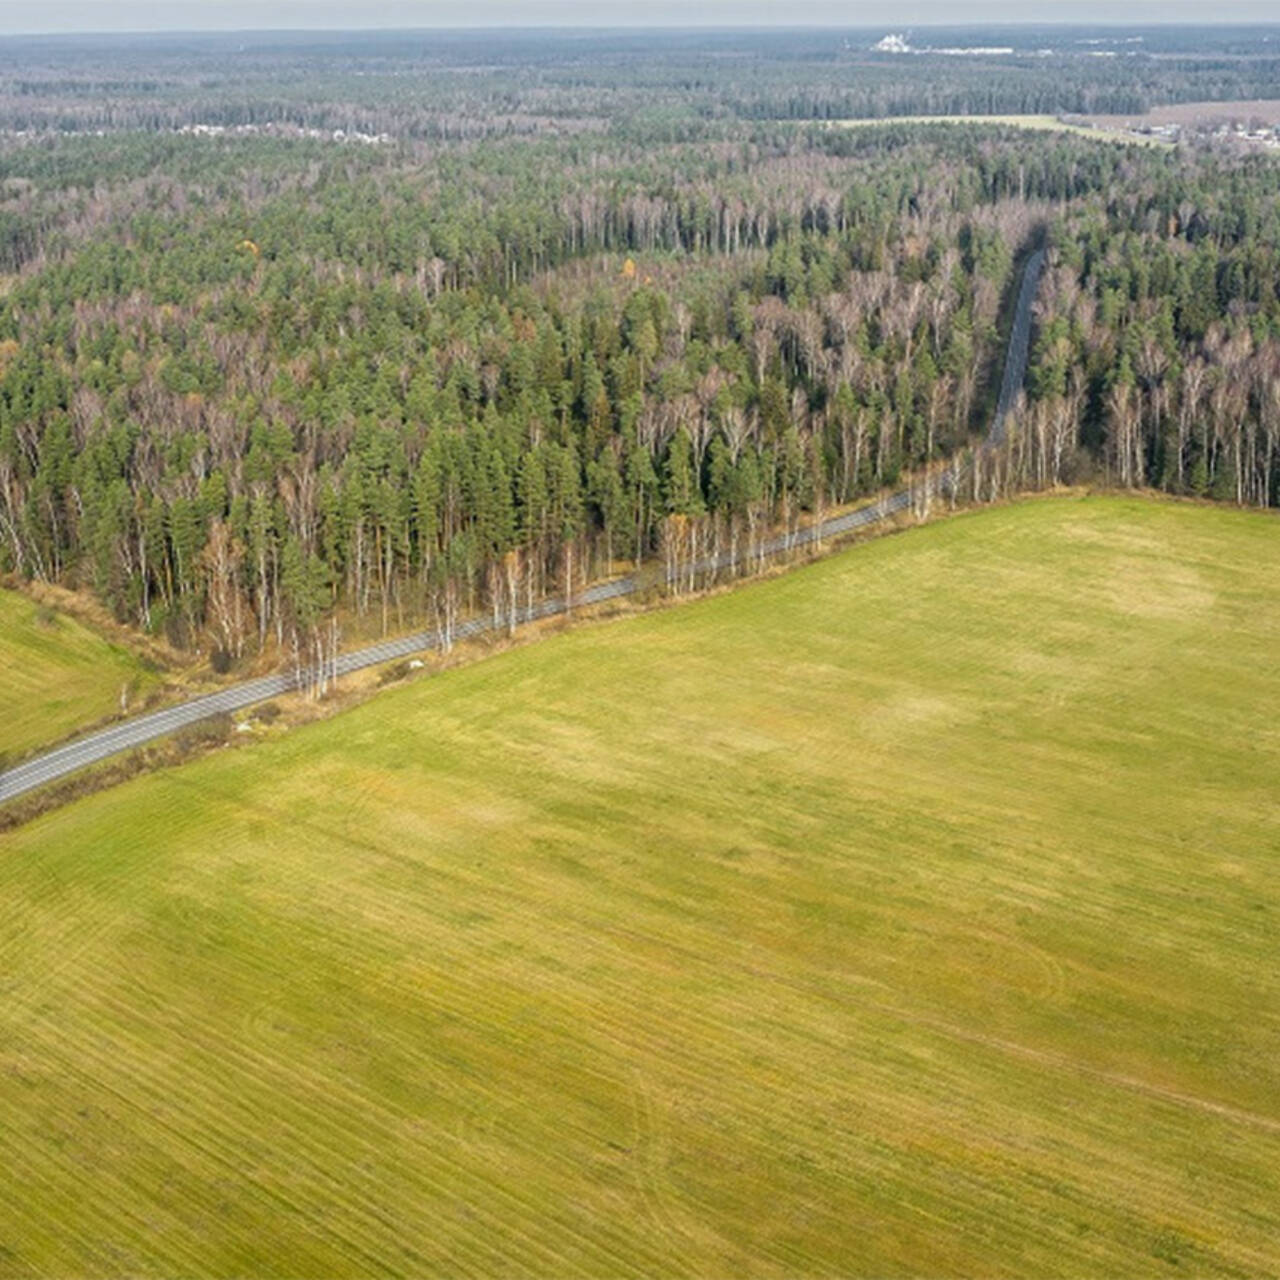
<point>447,87</point>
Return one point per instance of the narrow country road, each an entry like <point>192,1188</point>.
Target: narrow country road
<point>143,729</point>
<point>1015,360</point>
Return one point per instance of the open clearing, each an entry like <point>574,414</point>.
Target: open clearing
<point>1042,123</point>
<point>912,913</point>
<point>59,676</point>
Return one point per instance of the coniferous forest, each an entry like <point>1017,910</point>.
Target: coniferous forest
<point>350,329</point>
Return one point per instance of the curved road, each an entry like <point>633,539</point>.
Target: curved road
<point>143,729</point>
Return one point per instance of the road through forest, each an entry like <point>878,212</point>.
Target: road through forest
<point>140,730</point>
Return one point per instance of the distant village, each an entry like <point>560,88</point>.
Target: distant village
<point>1215,128</point>
<point>284,130</point>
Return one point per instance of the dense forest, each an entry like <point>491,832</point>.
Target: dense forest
<point>254,383</point>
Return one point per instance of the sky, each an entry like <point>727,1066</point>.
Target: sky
<point>236,15</point>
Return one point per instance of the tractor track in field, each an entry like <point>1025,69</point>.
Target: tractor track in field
<point>137,732</point>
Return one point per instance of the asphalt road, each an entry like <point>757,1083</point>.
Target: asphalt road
<point>143,729</point>
<point>1015,360</point>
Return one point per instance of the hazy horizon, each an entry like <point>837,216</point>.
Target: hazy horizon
<point>24,17</point>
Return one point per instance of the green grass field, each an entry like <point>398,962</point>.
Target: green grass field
<point>912,913</point>
<point>59,676</point>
